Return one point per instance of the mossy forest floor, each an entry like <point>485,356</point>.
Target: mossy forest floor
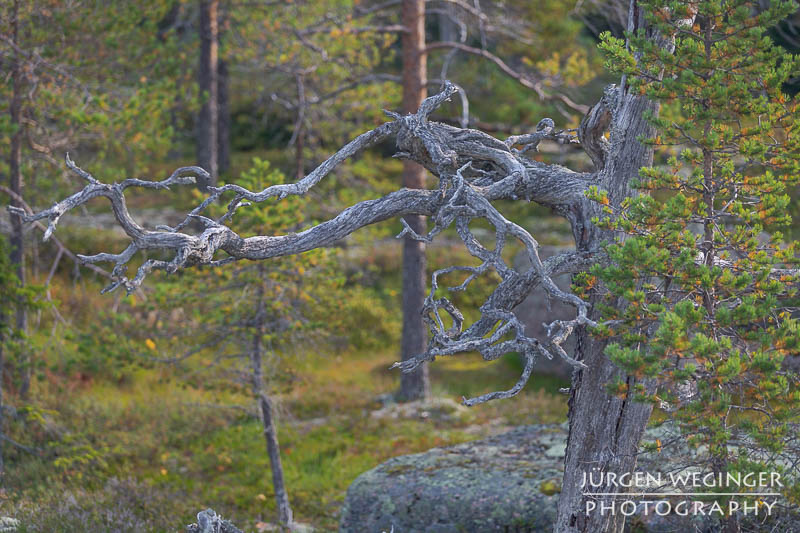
<point>149,452</point>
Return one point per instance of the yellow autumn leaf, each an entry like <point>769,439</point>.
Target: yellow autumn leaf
<point>163,471</point>
<point>261,497</point>
<point>150,344</point>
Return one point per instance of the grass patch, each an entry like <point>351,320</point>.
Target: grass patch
<point>165,439</point>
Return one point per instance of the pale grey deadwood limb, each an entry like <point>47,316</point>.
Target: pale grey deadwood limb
<point>474,169</point>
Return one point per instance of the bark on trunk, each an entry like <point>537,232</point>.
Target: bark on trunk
<point>414,385</point>
<point>299,133</point>
<point>605,430</point>
<point>224,119</point>
<point>274,452</point>
<point>223,101</point>
<point>208,79</point>
<point>15,178</point>
<point>267,415</point>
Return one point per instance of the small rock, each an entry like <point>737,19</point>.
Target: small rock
<point>487,485</point>
<point>438,409</point>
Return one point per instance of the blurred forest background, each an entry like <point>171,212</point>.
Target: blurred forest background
<point>131,413</point>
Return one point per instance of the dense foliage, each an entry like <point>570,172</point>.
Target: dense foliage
<point>709,281</point>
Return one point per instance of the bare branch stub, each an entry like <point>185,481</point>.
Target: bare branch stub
<point>473,168</point>
<point>209,521</point>
<point>594,125</point>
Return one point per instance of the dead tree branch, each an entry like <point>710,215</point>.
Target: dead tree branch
<point>209,521</point>
<point>524,80</point>
<point>473,168</point>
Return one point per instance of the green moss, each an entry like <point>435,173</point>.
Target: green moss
<point>550,487</point>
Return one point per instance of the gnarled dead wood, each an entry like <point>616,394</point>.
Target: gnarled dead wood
<point>473,168</point>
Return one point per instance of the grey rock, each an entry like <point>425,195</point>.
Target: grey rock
<point>506,483</point>
<point>444,490</point>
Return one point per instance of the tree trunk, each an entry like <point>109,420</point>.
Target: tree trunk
<point>448,29</point>
<point>414,385</point>
<point>15,178</point>
<point>208,79</point>
<point>299,133</point>
<point>224,120</point>
<point>3,319</point>
<point>274,452</point>
<point>223,103</point>
<point>265,409</point>
<point>299,160</point>
<point>604,430</point>
<point>2,400</point>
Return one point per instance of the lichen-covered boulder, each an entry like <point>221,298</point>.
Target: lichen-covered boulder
<point>505,483</point>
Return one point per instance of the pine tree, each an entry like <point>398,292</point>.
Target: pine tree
<point>251,322</point>
<point>709,283</point>
<point>15,297</point>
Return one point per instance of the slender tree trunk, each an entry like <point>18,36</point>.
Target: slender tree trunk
<point>224,122</point>
<point>299,133</point>
<point>274,452</point>
<point>3,319</point>
<point>208,79</point>
<point>223,103</point>
<point>267,415</point>
<point>3,316</point>
<point>448,29</point>
<point>15,178</point>
<point>730,523</point>
<point>164,25</point>
<point>414,385</point>
<point>300,170</point>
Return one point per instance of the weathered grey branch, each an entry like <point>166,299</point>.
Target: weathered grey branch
<point>463,205</point>
<point>62,249</point>
<point>473,169</point>
<point>525,81</point>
